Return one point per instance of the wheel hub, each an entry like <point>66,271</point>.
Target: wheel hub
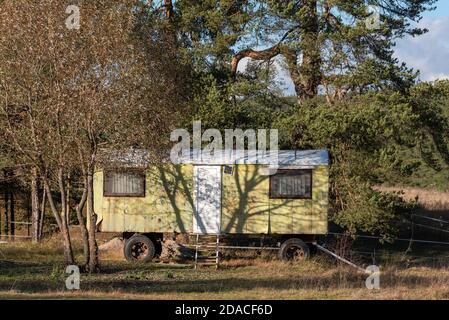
<point>295,253</point>
<point>139,251</point>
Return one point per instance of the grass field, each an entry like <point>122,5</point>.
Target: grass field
<point>36,271</point>
<point>408,271</point>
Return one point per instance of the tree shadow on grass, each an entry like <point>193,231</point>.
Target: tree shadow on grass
<point>19,268</point>
<point>123,267</point>
<point>130,286</point>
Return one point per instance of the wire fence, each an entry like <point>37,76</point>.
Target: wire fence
<point>395,239</point>
<point>430,218</point>
<point>20,222</point>
<point>375,254</point>
<point>14,236</point>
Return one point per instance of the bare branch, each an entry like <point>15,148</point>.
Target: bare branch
<point>266,54</point>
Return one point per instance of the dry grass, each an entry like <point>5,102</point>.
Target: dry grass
<point>428,199</point>
<point>37,272</point>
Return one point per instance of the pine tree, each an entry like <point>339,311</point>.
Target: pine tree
<point>337,46</point>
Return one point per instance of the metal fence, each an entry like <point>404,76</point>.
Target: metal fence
<point>13,236</point>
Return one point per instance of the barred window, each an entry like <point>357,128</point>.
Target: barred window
<point>124,183</point>
<point>291,184</point>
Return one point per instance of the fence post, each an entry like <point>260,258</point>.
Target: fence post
<point>6,202</point>
<point>12,219</point>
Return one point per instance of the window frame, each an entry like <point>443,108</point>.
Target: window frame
<point>292,172</point>
<point>139,172</point>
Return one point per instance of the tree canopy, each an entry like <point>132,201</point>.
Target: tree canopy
<point>325,45</point>
<point>135,70</point>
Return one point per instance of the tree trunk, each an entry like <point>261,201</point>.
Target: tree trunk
<point>168,5</point>
<point>309,76</point>
<point>83,228</point>
<point>42,214</point>
<point>68,253</point>
<point>1,225</point>
<point>306,72</point>
<point>35,210</point>
<point>68,201</point>
<point>29,217</point>
<point>92,217</point>
<point>64,227</point>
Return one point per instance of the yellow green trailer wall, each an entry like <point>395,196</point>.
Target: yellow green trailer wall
<point>168,204</point>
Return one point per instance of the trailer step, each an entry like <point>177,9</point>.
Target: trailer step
<point>205,245</point>
<point>206,258</point>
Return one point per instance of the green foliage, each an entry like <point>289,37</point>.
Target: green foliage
<point>360,134</point>
<point>249,103</point>
<point>373,139</point>
<point>368,210</point>
<point>424,163</point>
<point>339,51</point>
<point>209,29</point>
<point>58,273</point>
<point>377,124</point>
<point>137,275</point>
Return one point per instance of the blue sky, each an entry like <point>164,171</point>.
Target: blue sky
<point>429,53</point>
<point>442,9</point>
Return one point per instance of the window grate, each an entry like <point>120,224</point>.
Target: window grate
<point>291,184</point>
<point>124,183</point>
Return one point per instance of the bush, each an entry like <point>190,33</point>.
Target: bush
<point>363,135</point>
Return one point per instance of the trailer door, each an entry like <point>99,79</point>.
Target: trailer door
<point>207,199</point>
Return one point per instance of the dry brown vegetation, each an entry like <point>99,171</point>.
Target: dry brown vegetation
<point>36,271</point>
<point>428,199</point>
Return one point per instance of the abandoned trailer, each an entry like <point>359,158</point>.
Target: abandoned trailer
<point>287,208</point>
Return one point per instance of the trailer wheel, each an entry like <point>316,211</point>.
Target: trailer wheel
<point>294,250</point>
<point>139,248</point>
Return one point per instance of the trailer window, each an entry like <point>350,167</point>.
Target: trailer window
<point>291,184</point>
<point>124,183</point>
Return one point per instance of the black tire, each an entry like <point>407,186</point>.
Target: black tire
<point>139,248</point>
<point>294,250</point>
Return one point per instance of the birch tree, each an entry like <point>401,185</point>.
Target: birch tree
<point>71,85</point>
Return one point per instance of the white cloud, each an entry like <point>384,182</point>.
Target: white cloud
<point>428,53</point>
